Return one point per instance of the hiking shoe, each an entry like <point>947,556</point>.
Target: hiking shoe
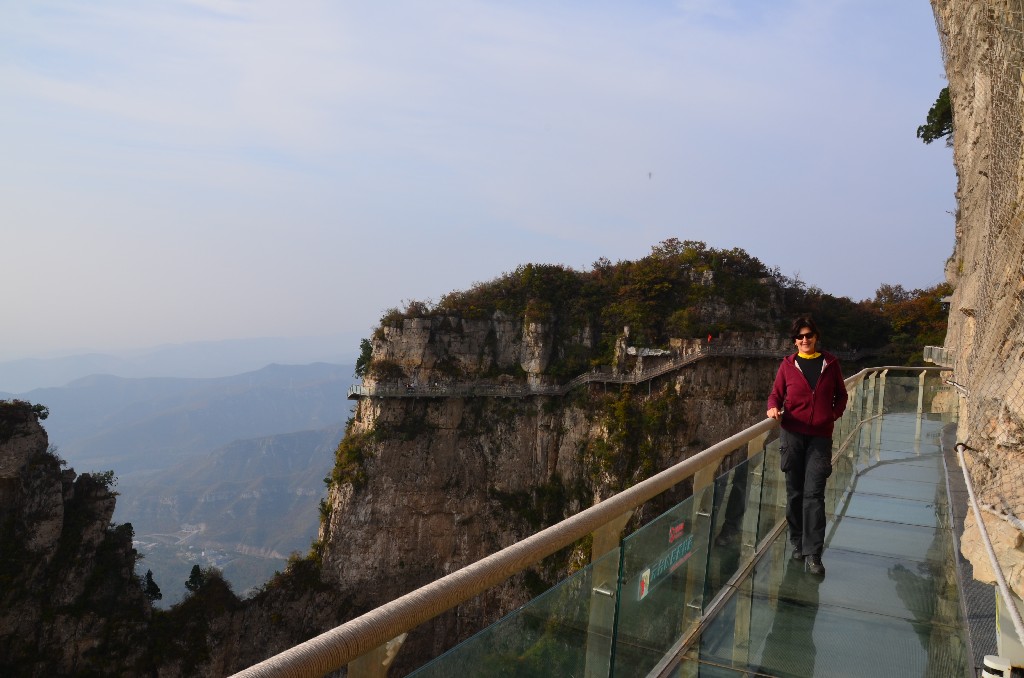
<point>725,538</point>
<point>814,565</point>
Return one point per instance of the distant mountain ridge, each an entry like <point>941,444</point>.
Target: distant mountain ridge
<point>104,422</point>
<point>203,359</point>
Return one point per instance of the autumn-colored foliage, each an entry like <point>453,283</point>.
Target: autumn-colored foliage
<point>916,318</point>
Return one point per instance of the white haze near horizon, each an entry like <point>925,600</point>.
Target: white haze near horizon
<point>203,170</point>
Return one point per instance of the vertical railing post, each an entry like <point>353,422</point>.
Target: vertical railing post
<point>701,524</point>
<point>852,414</point>
<point>375,663</point>
<point>879,408</point>
<point>701,520</point>
<point>750,518</point>
<point>920,392</point>
<point>748,544</point>
<point>920,413</point>
<point>866,410</point>
<point>869,395</point>
<point>603,594</point>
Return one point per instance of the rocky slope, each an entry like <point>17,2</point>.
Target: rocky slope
<point>984,53</point>
<point>70,603</point>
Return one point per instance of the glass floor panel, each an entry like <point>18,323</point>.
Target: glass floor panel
<point>902,436</point>
<point>888,604</point>
<point>928,472</point>
<point>882,538</point>
<point>786,637</point>
<point>895,587</point>
<point>902,489</point>
<point>894,509</point>
<point>893,453</point>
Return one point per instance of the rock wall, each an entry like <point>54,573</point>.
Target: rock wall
<point>983,47</point>
<point>449,347</point>
<point>69,600</point>
<point>433,484</point>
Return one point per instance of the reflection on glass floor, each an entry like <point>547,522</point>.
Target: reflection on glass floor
<point>888,604</point>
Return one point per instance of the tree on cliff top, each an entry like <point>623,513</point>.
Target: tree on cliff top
<point>150,588</point>
<point>916,318</point>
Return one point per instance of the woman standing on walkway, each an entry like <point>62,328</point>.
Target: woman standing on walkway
<point>807,398</point>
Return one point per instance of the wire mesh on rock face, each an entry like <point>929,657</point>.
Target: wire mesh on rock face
<point>983,46</point>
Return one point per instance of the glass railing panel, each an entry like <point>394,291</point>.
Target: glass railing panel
<point>551,635</point>
<point>838,484</point>
<point>901,392</point>
<point>904,427</point>
<point>662,584</point>
<point>773,492</point>
<point>734,519</point>
<point>843,427</point>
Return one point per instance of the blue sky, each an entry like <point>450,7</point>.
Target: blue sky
<point>215,169</point>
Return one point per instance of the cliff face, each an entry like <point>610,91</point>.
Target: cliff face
<point>984,54</point>
<point>69,600</point>
<point>427,485</point>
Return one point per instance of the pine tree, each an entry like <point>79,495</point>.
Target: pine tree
<point>151,590</point>
<point>196,579</point>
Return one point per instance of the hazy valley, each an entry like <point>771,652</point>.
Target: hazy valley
<point>223,472</point>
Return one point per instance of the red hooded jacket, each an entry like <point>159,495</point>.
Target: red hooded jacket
<point>805,411</point>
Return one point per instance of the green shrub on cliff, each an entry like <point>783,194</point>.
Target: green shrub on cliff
<point>915,319</point>
<point>681,289</point>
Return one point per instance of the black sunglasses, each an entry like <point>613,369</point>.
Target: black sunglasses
<point>808,335</point>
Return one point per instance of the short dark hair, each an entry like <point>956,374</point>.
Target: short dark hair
<point>800,323</point>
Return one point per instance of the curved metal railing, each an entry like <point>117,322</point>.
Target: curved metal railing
<point>1004,588</point>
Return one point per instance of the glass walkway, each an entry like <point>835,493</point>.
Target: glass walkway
<point>888,604</point>
<point>708,587</point>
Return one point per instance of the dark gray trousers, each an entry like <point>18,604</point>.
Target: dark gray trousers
<point>807,463</point>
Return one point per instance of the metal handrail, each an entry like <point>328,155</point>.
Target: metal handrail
<point>337,647</point>
<point>1004,589</point>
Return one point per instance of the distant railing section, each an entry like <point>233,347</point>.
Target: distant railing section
<point>939,356</point>
<point>521,390</point>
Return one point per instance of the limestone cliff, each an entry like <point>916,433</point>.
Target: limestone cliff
<point>70,603</point>
<point>428,485</point>
<point>984,56</point>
